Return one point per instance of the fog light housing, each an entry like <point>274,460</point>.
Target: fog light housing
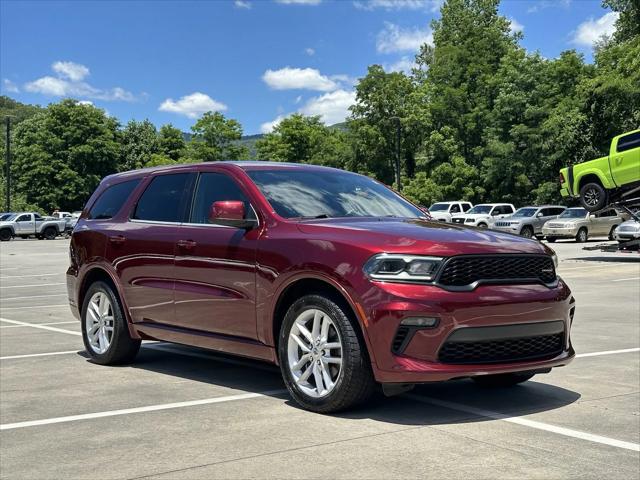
<point>420,322</point>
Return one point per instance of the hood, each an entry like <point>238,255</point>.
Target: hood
<point>566,220</point>
<point>475,215</point>
<point>418,237</point>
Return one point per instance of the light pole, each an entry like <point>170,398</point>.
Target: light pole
<point>7,153</point>
<point>396,121</point>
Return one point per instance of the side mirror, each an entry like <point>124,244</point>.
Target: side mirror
<point>592,216</point>
<point>230,213</point>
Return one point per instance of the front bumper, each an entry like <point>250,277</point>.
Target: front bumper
<point>626,236</point>
<point>510,229</point>
<point>560,232</point>
<point>486,306</point>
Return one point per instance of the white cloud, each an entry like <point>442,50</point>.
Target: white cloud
<point>72,71</point>
<point>299,2</point>
<point>310,51</point>
<point>431,5</point>
<point>395,39</point>
<point>85,102</point>
<point>298,99</point>
<point>590,31</point>
<point>405,64</point>
<point>193,105</point>
<point>298,78</point>
<point>267,127</point>
<point>333,107</point>
<point>9,86</point>
<point>69,83</point>
<point>242,4</point>
<point>515,26</point>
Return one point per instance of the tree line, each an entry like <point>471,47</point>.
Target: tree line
<point>481,119</point>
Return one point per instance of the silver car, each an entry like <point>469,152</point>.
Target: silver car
<point>579,224</point>
<point>528,221</point>
<point>629,230</point>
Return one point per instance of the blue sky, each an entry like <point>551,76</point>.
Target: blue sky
<point>253,60</point>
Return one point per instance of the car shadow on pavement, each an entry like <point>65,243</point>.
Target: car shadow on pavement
<point>421,406</point>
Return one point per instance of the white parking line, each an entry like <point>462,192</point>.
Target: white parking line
<point>34,296</point>
<point>36,285</point>
<point>2,309</point>
<point>42,327</point>
<point>41,324</point>
<point>626,279</point>
<point>567,432</point>
<point>149,408</point>
<point>607,352</point>
<point>11,357</point>
<point>32,275</point>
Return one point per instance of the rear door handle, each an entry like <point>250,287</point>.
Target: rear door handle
<point>187,244</point>
<point>117,239</point>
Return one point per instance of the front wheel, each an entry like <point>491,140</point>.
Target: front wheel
<point>527,232</point>
<point>551,239</point>
<point>503,379</point>
<point>593,197</point>
<point>5,235</point>
<point>582,235</point>
<point>104,327</point>
<point>323,361</point>
<point>482,225</point>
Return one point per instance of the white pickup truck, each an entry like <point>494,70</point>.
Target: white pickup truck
<point>30,224</point>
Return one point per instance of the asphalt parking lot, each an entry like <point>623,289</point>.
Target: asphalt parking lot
<point>187,413</point>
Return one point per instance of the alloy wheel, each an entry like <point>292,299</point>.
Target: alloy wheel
<point>314,353</point>
<point>591,197</point>
<point>99,322</point>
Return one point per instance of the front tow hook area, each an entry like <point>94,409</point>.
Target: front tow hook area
<point>393,389</point>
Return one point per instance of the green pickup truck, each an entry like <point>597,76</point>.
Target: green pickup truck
<point>608,179</point>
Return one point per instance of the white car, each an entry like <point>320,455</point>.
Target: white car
<point>444,211</point>
<point>485,214</point>
<point>629,230</point>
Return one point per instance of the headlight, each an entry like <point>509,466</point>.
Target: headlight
<point>555,259</point>
<point>402,268</point>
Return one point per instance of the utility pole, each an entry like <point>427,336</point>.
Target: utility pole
<point>396,121</point>
<point>7,153</point>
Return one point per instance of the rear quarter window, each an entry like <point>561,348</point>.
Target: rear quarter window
<point>111,200</point>
<point>164,199</point>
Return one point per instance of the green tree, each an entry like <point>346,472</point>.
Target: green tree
<point>62,154</point>
<point>214,138</point>
<point>139,141</point>
<point>171,142</point>
<point>628,23</point>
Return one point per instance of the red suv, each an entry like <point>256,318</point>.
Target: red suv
<point>331,275</point>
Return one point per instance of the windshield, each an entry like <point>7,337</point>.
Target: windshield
<point>329,193</point>
<point>7,217</point>
<point>525,212</point>
<point>574,213</point>
<point>480,209</point>
<point>439,207</point>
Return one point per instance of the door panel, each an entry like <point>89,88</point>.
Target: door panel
<point>25,225</point>
<point>625,159</point>
<point>216,265</point>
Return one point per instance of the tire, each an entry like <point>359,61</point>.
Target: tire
<point>5,235</point>
<point>582,235</point>
<point>593,197</point>
<point>120,348</point>
<point>482,225</point>
<point>503,379</point>
<point>526,232</point>
<point>551,239</point>
<point>50,233</point>
<point>611,237</point>
<point>350,383</point>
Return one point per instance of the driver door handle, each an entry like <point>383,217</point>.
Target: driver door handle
<point>117,239</point>
<point>187,244</point>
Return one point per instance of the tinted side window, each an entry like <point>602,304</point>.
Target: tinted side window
<point>455,209</point>
<point>215,187</point>
<point>557,211</point>
<point>507,209</point>
<point>112,199</point>
<point>466,206</point>
<point>24,218</point>
<point>628,142</point>
<point>163,199</point>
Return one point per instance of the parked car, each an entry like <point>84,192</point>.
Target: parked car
<point>444,211</point>
<point>484,215</point>
<point>578,223</point>
<point>29,224</point>
<point>69,218</point>
<point>327,273</point>
<point>528,221</point>
<point>628,230</point>
<point>606,179</point>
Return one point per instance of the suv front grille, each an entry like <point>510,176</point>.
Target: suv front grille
<point>465,270</point>
<point>457,220</point>
<point>503,224</point>
<point>502,351</point>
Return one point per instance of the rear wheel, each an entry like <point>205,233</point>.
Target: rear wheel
<point>582,235</point>
<point>104,327</point>
<point>5,235</point>
<point>50,233</point>
<point>503,379</point>
<point>527,232</point>
<point>323,361</point>
<point>593,197</point>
